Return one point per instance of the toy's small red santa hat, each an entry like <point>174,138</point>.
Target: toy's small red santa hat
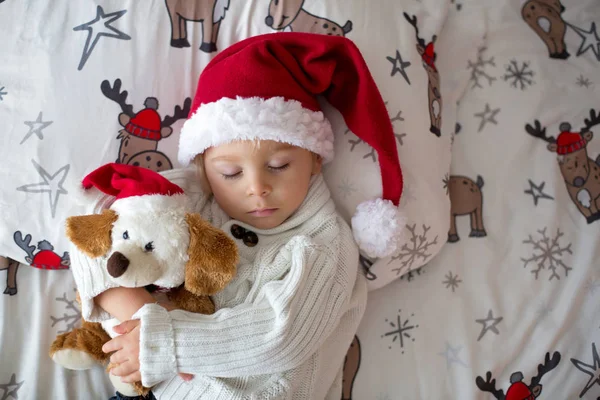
<point>568,142</point>
<point>265,88</point>
<point>135,189</point>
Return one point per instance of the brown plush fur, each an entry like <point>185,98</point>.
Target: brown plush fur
<point>213,257</point>
<point>212,263</point>
<point>89,338</point>
<point>91,233</point>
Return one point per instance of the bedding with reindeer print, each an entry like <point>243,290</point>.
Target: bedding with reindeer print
<point>493,293</point>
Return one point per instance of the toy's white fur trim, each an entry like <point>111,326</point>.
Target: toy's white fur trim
<point>152,203</point>
<point>377,226</point>
<point>254,118</point>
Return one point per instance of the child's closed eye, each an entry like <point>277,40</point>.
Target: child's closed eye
<point>279,168</point>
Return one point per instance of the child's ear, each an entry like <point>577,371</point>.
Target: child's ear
<point>91,233</point>
<point>213,257</point>
<point>317,164</point>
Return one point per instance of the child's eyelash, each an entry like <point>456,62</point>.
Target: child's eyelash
<point>283,167</point>
<point>238,174</point>
<point>233,176</point>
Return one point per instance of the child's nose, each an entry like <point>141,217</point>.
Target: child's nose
<point>259,187</point>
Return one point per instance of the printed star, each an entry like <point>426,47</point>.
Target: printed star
<point>109,31</point>
<point>485,118</point>
<point>537,191</point>
<point>403,65</point>
<point>592,370</point>
<point>487,326</point>
<point>36,127</point>
<point>592,37</point>
<point>52,184</point>
<point>581,82</point>
<point>10,389</point>
<point>451,355</point>
<point>2,93</point>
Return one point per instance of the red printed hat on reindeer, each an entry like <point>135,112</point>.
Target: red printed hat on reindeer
<point>266,88</point>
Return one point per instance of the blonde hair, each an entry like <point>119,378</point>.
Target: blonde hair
<point>199,162</point>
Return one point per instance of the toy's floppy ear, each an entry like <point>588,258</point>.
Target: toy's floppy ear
<point>213,257</point>
<point>91,233</point>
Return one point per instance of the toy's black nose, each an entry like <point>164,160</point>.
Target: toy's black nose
<point>117,264</point>
<point>269,21</point>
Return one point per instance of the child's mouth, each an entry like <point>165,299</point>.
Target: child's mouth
<point>263,212</point>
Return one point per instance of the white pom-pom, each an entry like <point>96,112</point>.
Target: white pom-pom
<point>377,226</point>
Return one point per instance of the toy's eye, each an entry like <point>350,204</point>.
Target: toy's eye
<point>125,235</point>
<point>149,247</point>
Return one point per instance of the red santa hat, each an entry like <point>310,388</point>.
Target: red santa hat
<point>136,189</point>
<point>568,142</point>
<point>266,88</point>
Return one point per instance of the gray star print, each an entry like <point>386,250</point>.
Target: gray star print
<point>399,65</point>
<point>489,324</point>
<point>52,184</point>
<point>485,118</point>
<point>35,127</point>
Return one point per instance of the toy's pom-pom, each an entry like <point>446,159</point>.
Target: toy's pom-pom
<point>377,226</point>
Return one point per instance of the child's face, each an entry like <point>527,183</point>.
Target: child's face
<point>260,185</point>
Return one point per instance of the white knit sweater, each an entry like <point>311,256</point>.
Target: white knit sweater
<point>283,325</point>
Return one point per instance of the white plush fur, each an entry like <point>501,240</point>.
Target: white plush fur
<point>254,118</point>
<point>158,219</point>
<point>377,226</point>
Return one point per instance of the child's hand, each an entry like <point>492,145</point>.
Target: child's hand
<point>127,351</point>
<point>127,356</point>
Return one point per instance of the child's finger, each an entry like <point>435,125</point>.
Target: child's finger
<point>186,377</point>
<point>112,345</point>
<point>118,358</point>
<point>135,377</point>
<point>126,327</point>
<point>124,369</point>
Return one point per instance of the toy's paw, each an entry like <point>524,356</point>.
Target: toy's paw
<point>126,389</point>
<point>73,359</point>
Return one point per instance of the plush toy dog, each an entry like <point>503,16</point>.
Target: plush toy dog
<point>147,238</point>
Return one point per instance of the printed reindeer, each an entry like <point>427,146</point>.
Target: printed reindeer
<point>11,267</point>
<point>428,57</point>
<point>209,12</point>
<point>288,15</point>
<point>580,173</point>
<point>351,366</point>
<point>142,131</point>
<point>518,390</point>
<point>544,17</point>
<point>43,258</point>
<point>466,198</point>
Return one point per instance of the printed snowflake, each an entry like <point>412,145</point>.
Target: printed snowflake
<point>399,136</point>
<point>416,248</point>
<point>446,182</point>
<point>70,319</point>
<point>581,82</point>
<point>2,93</point>
<point>451,281</point>
<point>371,153</point>
<point>477,68</point>
<point>410,275</point>
<point>345,188</point>
<point>592,285</point>
<point>543,311</point>
<point>400,330</point>
<point>520,75</point>
<point>549,254</point>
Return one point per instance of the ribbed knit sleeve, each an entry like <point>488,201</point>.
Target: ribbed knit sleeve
<point>284,324</point>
